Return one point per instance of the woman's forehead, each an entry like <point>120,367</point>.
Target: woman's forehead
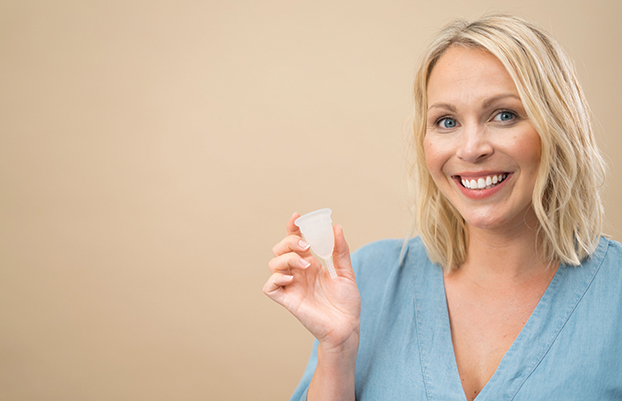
<point>466,74</point>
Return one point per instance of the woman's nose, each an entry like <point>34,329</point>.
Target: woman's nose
<point>475,145</point>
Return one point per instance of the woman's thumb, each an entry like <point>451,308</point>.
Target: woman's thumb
<point>341,252</point>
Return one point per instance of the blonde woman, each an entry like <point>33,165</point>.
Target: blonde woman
<point>509,292</point>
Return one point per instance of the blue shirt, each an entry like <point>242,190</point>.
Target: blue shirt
<point>569,349</point>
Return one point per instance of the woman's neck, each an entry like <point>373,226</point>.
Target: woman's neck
<point>508,257</point>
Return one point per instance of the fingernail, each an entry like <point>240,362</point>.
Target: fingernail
<point>287,277</point>
<point>304,263</point>
<point>303,244</point>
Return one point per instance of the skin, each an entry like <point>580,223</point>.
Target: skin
<point>328,308</point>
<point>477,127</point>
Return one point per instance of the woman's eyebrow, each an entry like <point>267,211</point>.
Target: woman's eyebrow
<point>493,99</point>
<point>486,103</point>
<point>443,106</point>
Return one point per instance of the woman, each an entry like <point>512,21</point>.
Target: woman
<point>509,292</point>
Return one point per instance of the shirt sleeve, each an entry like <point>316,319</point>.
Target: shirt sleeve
<point>300,394</point>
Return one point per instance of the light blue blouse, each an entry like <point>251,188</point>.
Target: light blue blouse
<point>569,349</point>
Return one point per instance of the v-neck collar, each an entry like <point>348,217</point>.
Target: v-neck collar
<point>438,361</point>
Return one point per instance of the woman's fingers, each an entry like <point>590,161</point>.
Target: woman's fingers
<point>274,286</point>
<point>341,252</point>
<point>291,243</point>
<point>294,252</point>
<point>284,263</point>
<point>293,229</point>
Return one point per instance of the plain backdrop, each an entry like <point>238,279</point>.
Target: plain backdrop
<point>152,151</point>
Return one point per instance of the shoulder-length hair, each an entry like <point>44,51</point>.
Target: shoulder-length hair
<point>566,198</point>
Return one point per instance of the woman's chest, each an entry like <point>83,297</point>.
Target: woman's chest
<point>481,334</point>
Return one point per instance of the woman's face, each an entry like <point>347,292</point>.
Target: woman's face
<point>480,148</point>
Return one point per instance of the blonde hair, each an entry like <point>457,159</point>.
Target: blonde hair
<point>566,198</point>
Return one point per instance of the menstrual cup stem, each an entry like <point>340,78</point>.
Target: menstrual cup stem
<point>331,267</point>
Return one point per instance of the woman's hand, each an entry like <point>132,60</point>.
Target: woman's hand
<point>328,308</point>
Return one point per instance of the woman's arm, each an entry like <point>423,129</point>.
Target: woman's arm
<point>328,308</point>
<point>334,375</point>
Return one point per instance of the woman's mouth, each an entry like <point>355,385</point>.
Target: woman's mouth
<point>483,182</point>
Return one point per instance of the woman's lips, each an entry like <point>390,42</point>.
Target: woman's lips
<point>488,181</point>
<point>481,185</point>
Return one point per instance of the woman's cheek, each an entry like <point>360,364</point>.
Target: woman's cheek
<point>433,158</point>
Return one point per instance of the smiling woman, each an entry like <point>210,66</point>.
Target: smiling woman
<point>549,97</point>
<point>509,278</point>
<point>478,132</point>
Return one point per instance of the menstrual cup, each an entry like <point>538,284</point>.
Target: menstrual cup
<point>318,232</point>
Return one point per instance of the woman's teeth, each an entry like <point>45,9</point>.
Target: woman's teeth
<point>484,183</point>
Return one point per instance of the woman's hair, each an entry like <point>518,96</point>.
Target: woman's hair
<point>566,198</point>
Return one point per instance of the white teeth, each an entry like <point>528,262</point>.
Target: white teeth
<point>483,183</point>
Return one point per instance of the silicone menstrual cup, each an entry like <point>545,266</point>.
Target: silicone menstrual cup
<point>318,232</point>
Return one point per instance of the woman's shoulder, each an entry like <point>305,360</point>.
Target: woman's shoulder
<point>388,255</point>
<point>607,251</point>
<point>608,255</point>
<point>613,246</point>
<point>380,248</point>
<point>389,249</point>
<point>601,270</point>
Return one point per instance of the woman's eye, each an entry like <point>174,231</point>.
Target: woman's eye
<point>504,116</point>
<point>447,123</point>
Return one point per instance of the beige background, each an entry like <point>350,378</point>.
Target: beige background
<point>151,152</point>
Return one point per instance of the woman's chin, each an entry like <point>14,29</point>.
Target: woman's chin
<point>502,222</point>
